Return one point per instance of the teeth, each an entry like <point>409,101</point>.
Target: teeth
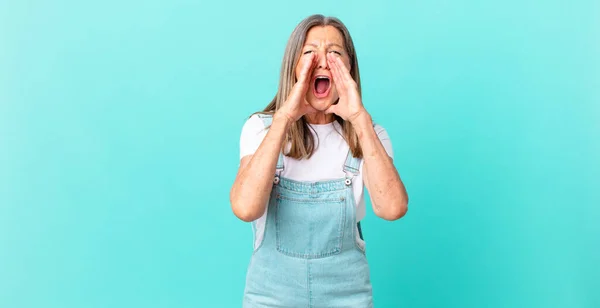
<point>322,77</point>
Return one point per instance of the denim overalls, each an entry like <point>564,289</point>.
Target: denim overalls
<point>309,255</point>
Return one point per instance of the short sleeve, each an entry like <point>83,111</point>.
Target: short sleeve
<point>385,139</point>
<point>253,133</point>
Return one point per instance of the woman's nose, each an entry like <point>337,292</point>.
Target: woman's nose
<point>323,60</point>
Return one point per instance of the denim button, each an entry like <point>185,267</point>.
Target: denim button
<point>348,182</point>
<point>276,180</point>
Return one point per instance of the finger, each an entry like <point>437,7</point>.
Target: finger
<point>313,64</point>
<point>338,71</point>
<point>332,68</point>
<point>341,69</point>
<point>337,78</point>
<point>331,61</point>
<point>302,82</point>
<point>307,66</point>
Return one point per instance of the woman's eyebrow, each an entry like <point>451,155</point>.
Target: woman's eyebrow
<point>328,45</point>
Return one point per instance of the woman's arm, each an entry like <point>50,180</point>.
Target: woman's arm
<point>388,194</point>
<point>254,181</point>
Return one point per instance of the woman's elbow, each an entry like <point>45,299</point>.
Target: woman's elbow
<point>244,211</point>
<point>395,211</point>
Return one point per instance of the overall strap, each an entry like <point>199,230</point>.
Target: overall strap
<point>267,120</point>
<point>352,163</point>
<point>351,167</point>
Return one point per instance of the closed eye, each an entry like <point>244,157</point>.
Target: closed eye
<point>307,52</point>
<point>335,51</point>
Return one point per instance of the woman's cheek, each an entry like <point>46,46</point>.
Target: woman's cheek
<point>334,94</point>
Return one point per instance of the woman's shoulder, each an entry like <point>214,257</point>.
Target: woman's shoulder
<point>264,119</point>
<point>253,132</point>
<point>380,130</point>
<point>257,125</point>
<point>253,124</point>
<point>384,137</point>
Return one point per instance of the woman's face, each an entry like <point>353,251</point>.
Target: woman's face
<point>322,40</point>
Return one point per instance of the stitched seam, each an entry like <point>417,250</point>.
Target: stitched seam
<point>309,286</point>
<point>277,236</point>
<point>332,252</point>
<point>332,200</point>
<point>323,186</point>
<point>325,191</point>
<point>342,223</point>
<point>352,169</point>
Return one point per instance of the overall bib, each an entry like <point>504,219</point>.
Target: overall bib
<point>310,255</point>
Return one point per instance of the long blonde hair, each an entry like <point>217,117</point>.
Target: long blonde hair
<point>302,141</point>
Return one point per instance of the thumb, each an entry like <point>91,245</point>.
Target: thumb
<point>308,108</point>
<point>307,66</point>
<point>332,109</point>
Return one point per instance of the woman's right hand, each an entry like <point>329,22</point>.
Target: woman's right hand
<point>296,105</point>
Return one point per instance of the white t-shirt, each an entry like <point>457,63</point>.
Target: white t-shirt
<point>326,163</point>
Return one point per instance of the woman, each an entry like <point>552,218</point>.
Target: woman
<point>305,161</point>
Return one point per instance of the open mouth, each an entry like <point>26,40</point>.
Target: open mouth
<point>321,86</point>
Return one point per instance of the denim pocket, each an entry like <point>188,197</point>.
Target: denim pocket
<point>310,228</point>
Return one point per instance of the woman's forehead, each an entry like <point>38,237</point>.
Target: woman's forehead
<point>324,34</point>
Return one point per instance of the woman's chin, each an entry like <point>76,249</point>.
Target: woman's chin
<point>320,104</point>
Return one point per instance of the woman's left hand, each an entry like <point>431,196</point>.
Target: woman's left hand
<point>349,106</point>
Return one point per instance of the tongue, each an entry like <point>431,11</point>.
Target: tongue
<point>321,85</point>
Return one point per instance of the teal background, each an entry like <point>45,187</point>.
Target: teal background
<point>119,140</point>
